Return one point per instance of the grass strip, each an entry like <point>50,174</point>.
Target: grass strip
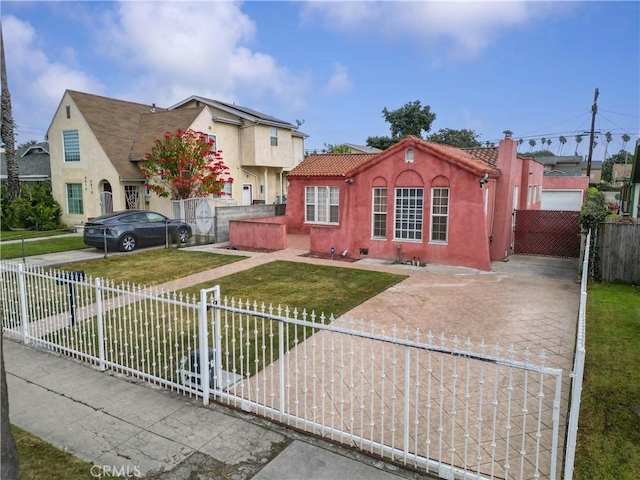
<point>41,247</point>
<point>39,459</point>
<point>609,426</point>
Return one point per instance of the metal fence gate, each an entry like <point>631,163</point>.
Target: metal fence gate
<point>442,405</point>
<point>547,232</point>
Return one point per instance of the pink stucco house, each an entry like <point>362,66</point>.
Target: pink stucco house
<point>415,200</point>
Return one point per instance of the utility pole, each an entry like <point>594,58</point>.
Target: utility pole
<point>594,110</point>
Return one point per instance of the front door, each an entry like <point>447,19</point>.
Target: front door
<point>247,194</point>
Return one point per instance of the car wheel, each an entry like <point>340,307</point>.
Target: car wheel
<point>182,235</point>
<point>127,243</point>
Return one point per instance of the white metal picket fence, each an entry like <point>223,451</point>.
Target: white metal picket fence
<point>578,367</point>
<point>441,405</point>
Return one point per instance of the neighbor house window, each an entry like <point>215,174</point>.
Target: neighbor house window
<point>211,137</point>
<point>71,145</point>
<point>322,205</point>
<point>132,196</point>
<point>274,137</point>
<point>439,214</point>
<point>227,190</point>
<point>74,198</point>
<point>409,212</point>
<point>379,221</point>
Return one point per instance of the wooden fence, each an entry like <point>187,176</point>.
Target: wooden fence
<point>619,251</point>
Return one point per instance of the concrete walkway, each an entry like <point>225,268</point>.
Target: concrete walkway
<point>110,421</point>
<point>145,431</point>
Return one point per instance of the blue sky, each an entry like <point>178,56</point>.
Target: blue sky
<point>530,67</point>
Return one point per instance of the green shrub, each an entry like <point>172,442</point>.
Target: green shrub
<point>35,208</point>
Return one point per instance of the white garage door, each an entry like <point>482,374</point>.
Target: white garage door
<point>561,200</point>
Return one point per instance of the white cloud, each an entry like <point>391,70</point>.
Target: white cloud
<point>176,49</point>
<point>339,81</point>
<point>35,79</point>
<point>462,29</point>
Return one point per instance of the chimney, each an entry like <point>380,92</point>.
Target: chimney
<point>153,108</point>
<point>507,133</point>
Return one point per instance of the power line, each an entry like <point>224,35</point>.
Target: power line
<point>623,114</point>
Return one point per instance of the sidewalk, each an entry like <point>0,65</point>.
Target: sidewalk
<point>155,433</point>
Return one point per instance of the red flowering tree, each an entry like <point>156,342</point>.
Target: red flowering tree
<point>185,164</point>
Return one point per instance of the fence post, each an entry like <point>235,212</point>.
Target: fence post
<point>24,314</point>
<point>281,364</point>
<point>407,403</point>
<point>100,326</point>
<point>217,337</point>
<point>204,347</point>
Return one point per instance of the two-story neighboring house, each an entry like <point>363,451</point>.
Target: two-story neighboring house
<point>96,144</point>
<point>264,149</point>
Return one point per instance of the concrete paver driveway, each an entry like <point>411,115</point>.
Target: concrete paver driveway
<point>526,303</point>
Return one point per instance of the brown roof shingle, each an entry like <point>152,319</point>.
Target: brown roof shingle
<point>153,126</point>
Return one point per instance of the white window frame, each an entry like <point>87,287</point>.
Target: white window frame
<point>439,211</point>
<point>322,209</point>
<point>214,137</point>
<point>273,136</point>
<point>409,211</point>
<point>227,191</point>
<point>66,146</point>
<point>377,212</point>
<point>80,201</point>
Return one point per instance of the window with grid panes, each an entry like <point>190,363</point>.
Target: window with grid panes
<point>322,205</point>
<point>74,198</point>
<point>439,214</point>
<point>71,144</point>
<point>409,213</point>
<point>379,220</point>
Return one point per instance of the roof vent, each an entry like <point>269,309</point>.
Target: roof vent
<point>153,108</point>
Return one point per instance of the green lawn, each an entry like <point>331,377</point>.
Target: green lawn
<point>318,288</point>
<point>153,267</point>
<point>6,235</point>
<point>609,425</point>
<point>39,459</point>
<point>40,247</point>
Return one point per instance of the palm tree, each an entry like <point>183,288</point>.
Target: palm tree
<point>625,139</point>
<point>578,140</point>
<point>6,133</point>
<point>608,137</point>
<point>543,141</point>
<point>520,142</point>
<point>548,143</point>
<point>532,143</point>
<point>562,141</point>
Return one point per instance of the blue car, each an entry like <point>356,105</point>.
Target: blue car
<point>130,229</point>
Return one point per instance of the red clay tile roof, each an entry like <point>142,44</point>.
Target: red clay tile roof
<point>330,164</point>
<point>351,164</point>
<point>488,154</point>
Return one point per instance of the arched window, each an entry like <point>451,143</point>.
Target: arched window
<point>408,155</point>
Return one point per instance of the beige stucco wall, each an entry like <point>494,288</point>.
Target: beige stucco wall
<point>93,167</point>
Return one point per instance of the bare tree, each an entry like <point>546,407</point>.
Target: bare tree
<point>6,132</point>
